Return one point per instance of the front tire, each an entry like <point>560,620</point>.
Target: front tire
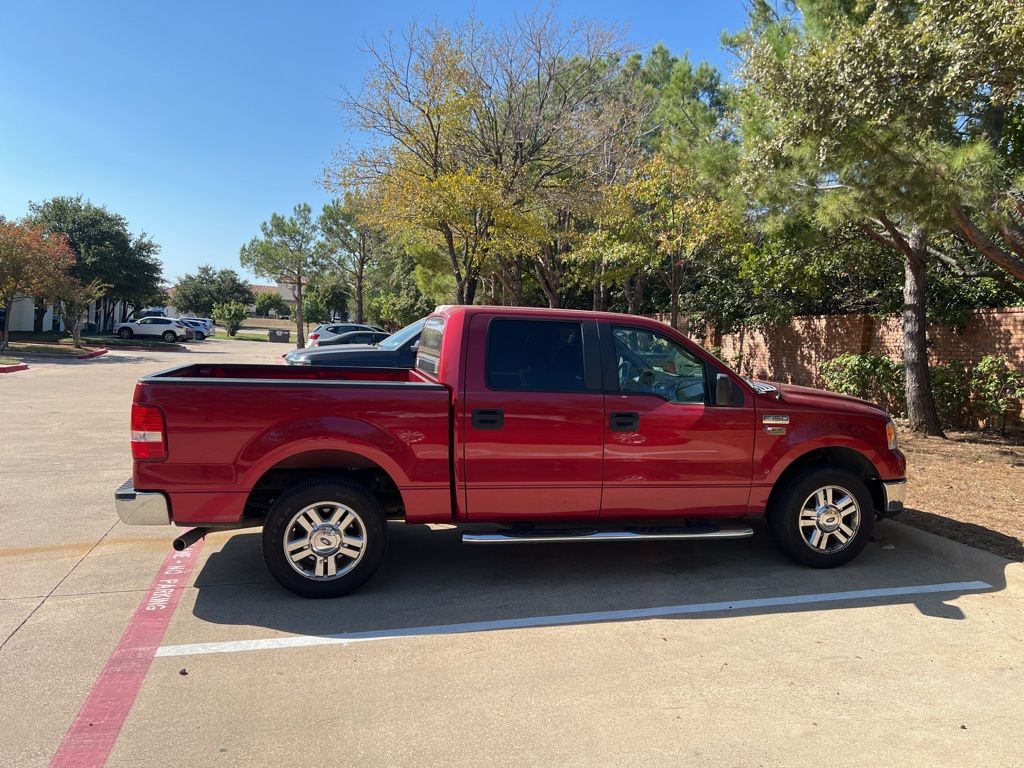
<point>823,518</point>
<point>324,538</point>
<point>125,333</point>
<point>200,336</point>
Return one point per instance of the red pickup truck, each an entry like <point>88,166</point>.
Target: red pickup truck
<point>542,425</point>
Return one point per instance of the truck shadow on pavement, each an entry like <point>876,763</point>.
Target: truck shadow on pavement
<point>429,578</point>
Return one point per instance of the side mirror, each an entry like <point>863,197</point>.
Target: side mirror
<point>723,390</point>
<point>415,348</point>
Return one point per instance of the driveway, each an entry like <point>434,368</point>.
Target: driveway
<point>670,653</point>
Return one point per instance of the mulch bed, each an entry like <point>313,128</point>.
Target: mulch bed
<point>969,488</point>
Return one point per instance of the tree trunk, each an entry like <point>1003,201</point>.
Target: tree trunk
<point>300,343</point>
<point>360,269</point>
<point>8,308</point>
<point>600,292</point>
<point>921,410</point>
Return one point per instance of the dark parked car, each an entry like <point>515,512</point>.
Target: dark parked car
<point>396,351</point>
<point>355,337</point>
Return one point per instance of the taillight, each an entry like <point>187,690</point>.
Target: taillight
<point>314,336</point>
<point>148,430</point>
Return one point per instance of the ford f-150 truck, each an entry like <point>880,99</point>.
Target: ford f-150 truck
<point>536,424</point>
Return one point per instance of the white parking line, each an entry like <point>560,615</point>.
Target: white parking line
<point>304,641</point>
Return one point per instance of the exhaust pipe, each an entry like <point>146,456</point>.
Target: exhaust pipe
<point>188,538</point>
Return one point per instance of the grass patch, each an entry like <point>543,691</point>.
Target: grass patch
<point>239,336</point>
<point>54,350</point>
<point>266,323</point>
<point>117,341</point>
<point>8,361</point>
<point>90,340</point>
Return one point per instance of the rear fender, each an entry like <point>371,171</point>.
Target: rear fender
<point>329,433</point>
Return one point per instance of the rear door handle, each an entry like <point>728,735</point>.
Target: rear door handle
<point>488,419</point>
<point>624,421</point>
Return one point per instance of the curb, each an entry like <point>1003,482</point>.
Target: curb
<point>13,368</point>
<point>94,353</point>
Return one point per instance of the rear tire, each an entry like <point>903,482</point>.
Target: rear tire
<point>170,337</point>
<point>324,537</point>
<point>823,518</point>
<point>125,333</point>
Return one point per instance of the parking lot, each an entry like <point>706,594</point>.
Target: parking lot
<point>660,653</point>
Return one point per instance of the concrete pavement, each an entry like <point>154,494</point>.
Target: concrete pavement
<point>926,680</point>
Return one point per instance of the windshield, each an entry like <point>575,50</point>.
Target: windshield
<point>400,338</point>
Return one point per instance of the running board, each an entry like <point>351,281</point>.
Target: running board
<point>528,536</point>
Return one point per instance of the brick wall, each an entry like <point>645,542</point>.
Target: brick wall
<point>794,352</point>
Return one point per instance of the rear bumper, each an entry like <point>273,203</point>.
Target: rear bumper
<point>141,507</point>
<point>895,492</point>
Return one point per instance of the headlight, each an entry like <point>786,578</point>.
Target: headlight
<point>890,435</point>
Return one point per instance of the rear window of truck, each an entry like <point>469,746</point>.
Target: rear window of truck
<point>428,357</point>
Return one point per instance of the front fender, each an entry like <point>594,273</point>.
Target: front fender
<point>777,453</point>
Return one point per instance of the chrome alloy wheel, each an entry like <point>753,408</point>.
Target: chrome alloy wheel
<point>829,519</point>
<point>324,541</point>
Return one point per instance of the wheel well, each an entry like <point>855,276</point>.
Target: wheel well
<point>302,466</point>
<point>845,458</point>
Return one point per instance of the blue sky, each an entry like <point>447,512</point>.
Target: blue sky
<point>196,121</point>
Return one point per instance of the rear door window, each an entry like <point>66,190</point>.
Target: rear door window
<point>535,355</point>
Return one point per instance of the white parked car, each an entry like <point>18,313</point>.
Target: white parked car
<point>165,328</point>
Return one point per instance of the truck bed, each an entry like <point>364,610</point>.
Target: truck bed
<point>231,427</point>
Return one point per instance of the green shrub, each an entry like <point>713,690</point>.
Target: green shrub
<point>964,394</point>
<point>951,385</point>
<point>231,315</point>
<point>996,389</point>
<point>873,378</point>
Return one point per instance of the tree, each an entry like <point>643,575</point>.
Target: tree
<point>71,299</point>
<point>657,223</point>
<point>198,293</point>
<point>231,315</point>
<point>30,261</point>
<point>105,250</point>
<point>315,309</point>
<point>288,252</point>
<point>270,302</point>
<point>332,293</point>
<point>351,243</point>
<point>885,116</point>
<point>484,139</point>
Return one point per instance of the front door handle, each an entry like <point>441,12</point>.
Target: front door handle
<point>624,421</point>
<point>488,419</point>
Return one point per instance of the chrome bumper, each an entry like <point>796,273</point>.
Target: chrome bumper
<point>141,507</point>
<point>895,494</point>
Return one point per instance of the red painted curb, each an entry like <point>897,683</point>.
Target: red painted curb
<point>13,368</point>
<point>96,727</point>
<point>94,353</point>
